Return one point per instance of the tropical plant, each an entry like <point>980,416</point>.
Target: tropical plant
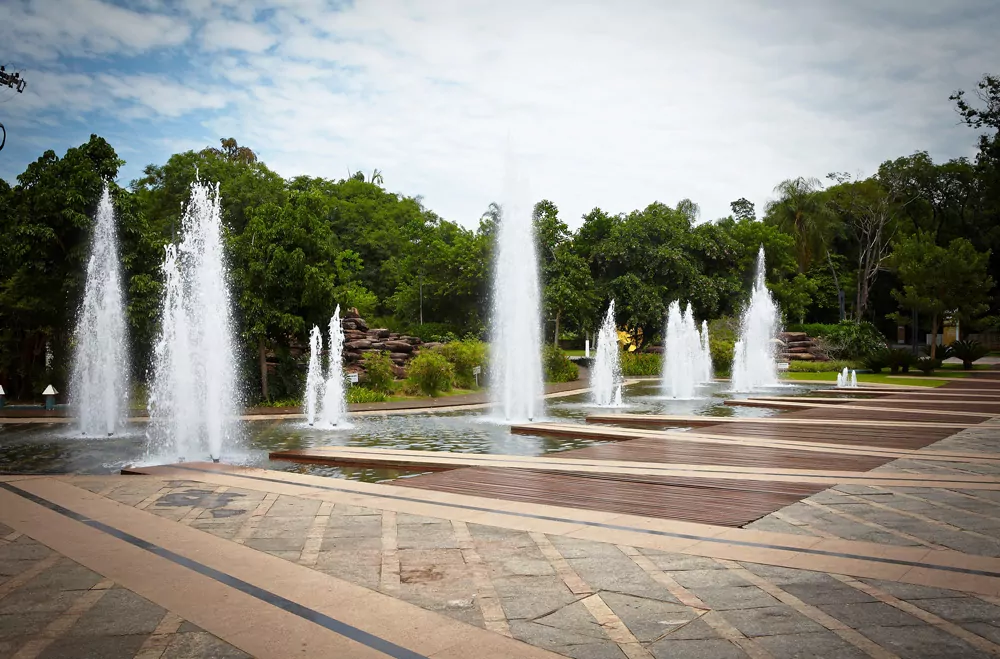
<point>358,394</point>
<point>968,351</point>
<point>378,371</point>
<point>465,356</point>
<point>852,340</point>
<point>430,373</point>
<point>876,361</point>
<point>557,366</point>
<point>927,364</point>
<point>641,363</point>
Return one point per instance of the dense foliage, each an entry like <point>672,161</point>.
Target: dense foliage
<point>430,374</point>
<point>557,367</point>
<point>915,243</point>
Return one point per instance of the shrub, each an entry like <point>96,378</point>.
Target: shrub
<point>379,374</point>
<point>851,340</point>
<point>722,354</point>
<point>927,365</point>
<point>641,363</point>
<point>430,373</point>
<point>464,356</point>
<point>898,359</point>
<point>876,361</point>
<point>557,366</point>
<point>365,395</point>
<point>797,366</point>
<point>968,352</point>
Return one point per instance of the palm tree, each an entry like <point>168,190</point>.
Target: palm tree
<point>801,210</point>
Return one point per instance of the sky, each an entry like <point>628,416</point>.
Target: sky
<point>612,104</point>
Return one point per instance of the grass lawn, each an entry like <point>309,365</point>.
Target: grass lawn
<point>869,378</point>
<point>574,353</point>
<point>399,396</point>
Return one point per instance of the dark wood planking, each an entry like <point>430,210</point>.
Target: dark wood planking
<point>705,500</point>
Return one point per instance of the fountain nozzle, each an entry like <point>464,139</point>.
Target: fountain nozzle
<point>215,460</point>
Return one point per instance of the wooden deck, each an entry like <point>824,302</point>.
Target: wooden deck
<point>726,470</point>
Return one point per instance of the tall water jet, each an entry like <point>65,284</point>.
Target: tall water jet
<point>314,376</point>
<point>754,364</point>
<point>515,328</point>
<point>682,368</point>
<point>99,380</point>
<point>847,379</point>
<point>707,372</point>
<point>193,397</point>
<point>335,392</point>
<point>606,375</point>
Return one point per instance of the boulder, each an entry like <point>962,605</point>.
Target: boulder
<point>655,350</point>
<point>360,344</point>
<point>354,335</point>
<point>379,333</point>
<point>800,344</point>
<point>352,313</point>
<point>802,357</point>
<point>352,356</point>
<point>377,345</point>
<point>794,336</point>
<point>398,346</point>
<point>357,324</point>
<point>432,345</point>
<point>413,340</point>
<point>398,372</point>
<point>399,357</point>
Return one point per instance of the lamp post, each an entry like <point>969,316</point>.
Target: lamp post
<point>50,397</point>
<point>1,396</point>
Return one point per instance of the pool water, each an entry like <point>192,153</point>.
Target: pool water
<point>55,448</point>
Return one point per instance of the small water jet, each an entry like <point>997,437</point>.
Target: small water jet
<point>314,376</point>
<point>335,391</point>
<point>193,397</point>
<point>99,380</point>
<point>606,375</point>
<point>515,328</point>
<point>754,364</point>
<point>683,367</point>
<point>848,380</point>
<point>707,371</point>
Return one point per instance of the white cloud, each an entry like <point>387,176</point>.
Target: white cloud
<point>611,105</point>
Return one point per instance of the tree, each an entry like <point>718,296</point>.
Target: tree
<point>937,280</point>
<point>801,211</point>
<point>743,209</point>
<point>865,207</point>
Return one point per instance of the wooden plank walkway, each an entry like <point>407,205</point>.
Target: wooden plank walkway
<point>854,435</point>
<point>988,410</point>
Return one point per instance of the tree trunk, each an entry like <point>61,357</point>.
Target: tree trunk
<point>934,320</point>
<point>555,339</point>
<point>836,283</point>
<point>262,356</point>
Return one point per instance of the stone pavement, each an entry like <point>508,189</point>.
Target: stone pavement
<point>575,597</point>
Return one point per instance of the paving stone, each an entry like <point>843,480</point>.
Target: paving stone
<point>288,506</point>
<point>908,591</point>
<point>119,612</point>
<point>196,645</point>
<point>188,626</point>
<point>527,567</point>
<point>565,643</point>
<point>10,646</point>
<point>24,549</point>
<point>734,597</point>
<point>820,645</point>
<point>353,526</point>
<point>362,568</point>
<point>276,544</point>
<point>24,624</point>
<point>710,578</point>
<point>574,618</point>
<point>696,630</point>
<point>5,530</point>
<point>780,576</point>
<point>530,597</point>
<point>961,609</point>
<point>827,593</point>
<point>707,649</point>
<point>425,536</point>
<point>987,630</point>
<point>680,562</point>
<point>775,525</point>
<point>37,600</point>
<point>281,527</point>
<point>869,614</point>
<point>921,642</point>
<point>771,620</point>
<point>606,568</point>
<point>352,543</point>
<point>94,647</point>
<point>648,619</point>
<point>65,575</point>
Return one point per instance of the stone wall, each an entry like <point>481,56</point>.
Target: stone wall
<point>799,346</point>
<point>360,339</point>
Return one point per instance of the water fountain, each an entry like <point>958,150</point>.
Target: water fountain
<point>606,375</point>
<point>754,364</point>
<point>849,380</point>
<point>99,380</point>
<point>314,376</point>
<point>335,392</point>
<point>707,372</point>
<point>193,398</point>
<point>516,337</point>
<point>683,369</point>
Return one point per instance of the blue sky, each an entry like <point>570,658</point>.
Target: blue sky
<point>610,104</point>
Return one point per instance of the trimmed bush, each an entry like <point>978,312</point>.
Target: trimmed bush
<point>379,374</point>
<point>968,352</point>
<point>430,373</point>
<point>927,365</point>
<point>850,340</point>
<point>876,361</point>
<point>557,366</point>
<point>820,367</point>
<point>641,363</point>
<point>357,394</point>
<point>898,359</point>
<point>464,356</point>
<point>722,354</point>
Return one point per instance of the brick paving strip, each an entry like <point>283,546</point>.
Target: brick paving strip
<point>64,621</point>
<point>486,593</point>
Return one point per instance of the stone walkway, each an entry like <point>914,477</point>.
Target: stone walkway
<point>570,596</point>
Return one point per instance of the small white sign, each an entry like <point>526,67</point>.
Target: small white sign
<point>353,378</point>
<point>476,370</point>
<point>782,366</point>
